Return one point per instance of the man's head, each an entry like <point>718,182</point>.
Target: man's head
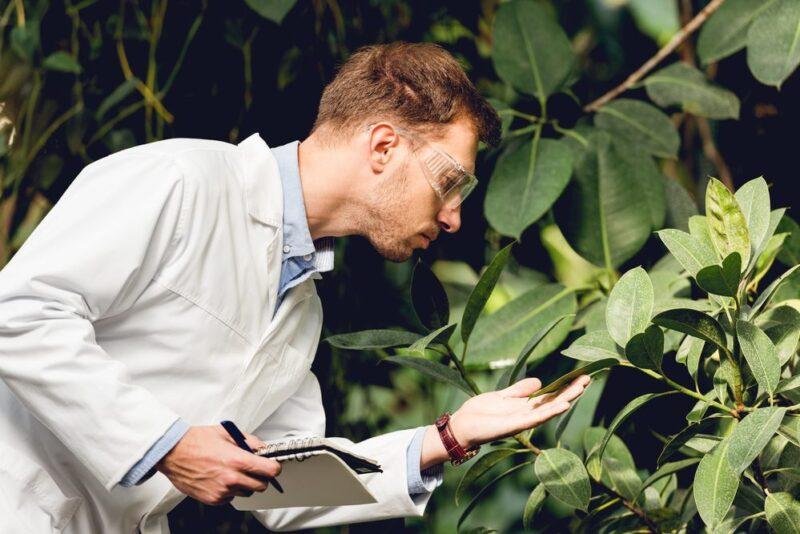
<point>408,117</point>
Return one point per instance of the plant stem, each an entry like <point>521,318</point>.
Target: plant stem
<point>666,50</point>
<point>686,391</point>
<point>460,367</point>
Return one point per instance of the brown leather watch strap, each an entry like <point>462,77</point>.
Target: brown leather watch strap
<point>457,453</point>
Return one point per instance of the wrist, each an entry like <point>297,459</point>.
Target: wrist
<point>458,451</point>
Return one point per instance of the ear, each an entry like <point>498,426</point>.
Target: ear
<point>383,142</point>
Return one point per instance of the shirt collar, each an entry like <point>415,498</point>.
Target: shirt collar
<point>296,235</point>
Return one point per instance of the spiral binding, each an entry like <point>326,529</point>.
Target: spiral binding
<point>293,443</point>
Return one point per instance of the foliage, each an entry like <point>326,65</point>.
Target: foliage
<point>748,440</point>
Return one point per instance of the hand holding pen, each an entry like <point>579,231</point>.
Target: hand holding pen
<point>207,465</point>
<point>239,438</point>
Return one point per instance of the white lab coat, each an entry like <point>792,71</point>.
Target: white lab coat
<point>147,294</point>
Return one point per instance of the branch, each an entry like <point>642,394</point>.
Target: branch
<point>666,50</point>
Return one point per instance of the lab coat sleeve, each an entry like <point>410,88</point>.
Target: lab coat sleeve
<point>90,258</point>
<point>303,415</point>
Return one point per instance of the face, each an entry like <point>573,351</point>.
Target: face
<point>404,211</point>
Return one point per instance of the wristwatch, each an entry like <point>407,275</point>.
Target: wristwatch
<point>458,455</point>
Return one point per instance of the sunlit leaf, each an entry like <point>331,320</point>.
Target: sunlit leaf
<point>683,85</point>
<point>593,346</point>
<point>533,505</point>
<point>725,32</point>
<point>762,359</point>
<point>773,46</point>
<point>569,377</point>
<point>783,513</point>
<point>479,467</point>
<point>525,184</point>
<point>630,306</point>
<point>715,485</point>
<point>640,123</point>
<point>434,370</point>
<point>694,323</point>
<point>726,222</point>
<point>373,339</point>
<point>482,290</point>
<point>690,252</point>
<point>563,475</point>
<point>530,51</point>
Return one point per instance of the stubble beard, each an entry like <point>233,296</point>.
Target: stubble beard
<point>386,215</point>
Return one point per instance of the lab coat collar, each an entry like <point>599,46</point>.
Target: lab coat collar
<point>262,182</point>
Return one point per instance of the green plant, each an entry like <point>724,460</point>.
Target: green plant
<point>738,346</point>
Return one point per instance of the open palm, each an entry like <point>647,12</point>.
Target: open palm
<point>498,414</point>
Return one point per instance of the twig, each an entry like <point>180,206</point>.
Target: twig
<point>666,50</point>
<point>709,147</point>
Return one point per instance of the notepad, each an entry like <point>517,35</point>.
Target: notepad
<point>315,471</point>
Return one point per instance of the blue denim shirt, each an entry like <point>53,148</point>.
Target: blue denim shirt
<point>302,258</point>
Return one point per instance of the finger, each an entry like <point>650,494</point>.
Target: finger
<point>574,390</point>
<point>255,465</point>
<point>250,483</point>
<point>522,388</point>
<point>253,441</point>
<point>547,412</point>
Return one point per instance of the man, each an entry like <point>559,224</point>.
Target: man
<point>171,287</point>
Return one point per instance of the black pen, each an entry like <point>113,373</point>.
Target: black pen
<point>238,437</point>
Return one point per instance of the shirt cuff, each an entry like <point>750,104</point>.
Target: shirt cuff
<point>145,468</point>
<point>425,480</point>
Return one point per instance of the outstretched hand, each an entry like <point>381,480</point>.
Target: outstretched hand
<point>499,414</point>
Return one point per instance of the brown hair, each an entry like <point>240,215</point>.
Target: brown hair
<point>419,85</point>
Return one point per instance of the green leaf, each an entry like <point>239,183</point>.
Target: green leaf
<point>725,32</point>
<point>62,62</point>
<point>533,505</point>
<point>782,326</point>
<point>479,496</point>
<point>530,51</point>
<point>373,339</point>
<point>766,295</point>
<point>689,352</point>
<point>630,306</point>
<point>593,367</point>
<point>698,227</point>
<point>751,435</point>
<point>683,85</point>
<point>783,513</point>
<point>623,415</point>
<point>722,280</point>
<point>517,371</point>
<point>650,180</point>
<point>641,124</point>
<point>646,349</point>
<point>773,45</point>
<point>505,112</point>
<point>666,470</point>
<point>694,323</point>
<point>482,290</point>
<point>715,485</point>
<point>680,205</point>
<point>601,212</point>
<point>726,222</point>
<point>274,10</point>
<point>690,252</point>
<point>506,331</point>
<point>440,335</point>
<point>753,200</point>
<point>525,184</point>
<point>593,346</point>
<point>429,298</point>
<point>563,475</point>
<point>679,440</point>
<point>790,253</point>
<point>481,466</point>
<point>617,469</point>
<point>760,354</point>
<point>767,257</point>
<point>434,370</point>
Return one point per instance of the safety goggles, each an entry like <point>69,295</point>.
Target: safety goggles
<point>451,181</point>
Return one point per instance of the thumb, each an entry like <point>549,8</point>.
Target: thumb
<point>522,388</point>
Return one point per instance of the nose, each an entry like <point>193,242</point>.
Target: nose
<point>449,219</point>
